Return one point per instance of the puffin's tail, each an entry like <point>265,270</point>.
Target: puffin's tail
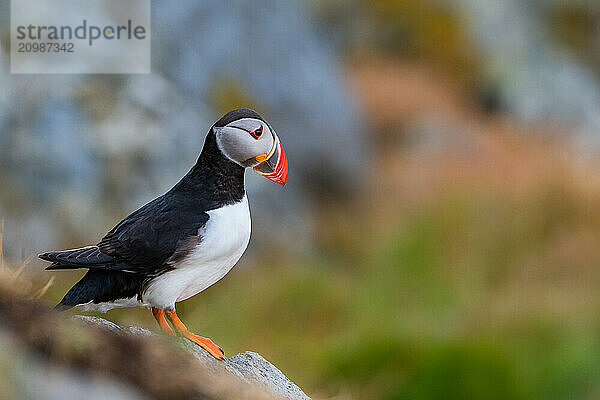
<point>98,286</point>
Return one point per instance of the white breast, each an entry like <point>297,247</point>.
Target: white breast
<point>224,239</point>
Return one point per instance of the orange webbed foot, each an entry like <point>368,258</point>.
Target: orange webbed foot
<point>203,342</point>
<point>206,344</point>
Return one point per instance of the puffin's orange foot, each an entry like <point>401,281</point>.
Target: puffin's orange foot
<point>203,342</point>
<point>206,344</point>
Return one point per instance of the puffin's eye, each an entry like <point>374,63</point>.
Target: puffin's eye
<point>257,133</point>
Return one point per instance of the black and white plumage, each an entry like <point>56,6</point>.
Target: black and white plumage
<point>187,239</point>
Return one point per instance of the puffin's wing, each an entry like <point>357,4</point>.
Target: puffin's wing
<point>85,257</point>
<point>150,236</point>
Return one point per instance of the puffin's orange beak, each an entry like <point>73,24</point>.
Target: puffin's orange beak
<point>275,165</point>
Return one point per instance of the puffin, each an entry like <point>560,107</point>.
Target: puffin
<point>184,241</point>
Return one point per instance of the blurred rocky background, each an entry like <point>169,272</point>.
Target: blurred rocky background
<point>438,235</point>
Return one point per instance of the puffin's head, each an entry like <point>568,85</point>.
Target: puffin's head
<point>247,139</point>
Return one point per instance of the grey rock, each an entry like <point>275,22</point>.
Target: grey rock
<point>111,326</point>
<point>256,369</point>
<point>249,367</point>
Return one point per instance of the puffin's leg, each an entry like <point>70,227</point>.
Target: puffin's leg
<point>203,342</point>
<point>159,315</point>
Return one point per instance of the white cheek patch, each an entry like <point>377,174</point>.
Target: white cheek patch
<point>238,144</point>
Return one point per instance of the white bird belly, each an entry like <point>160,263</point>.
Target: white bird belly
<point>224,240</point>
